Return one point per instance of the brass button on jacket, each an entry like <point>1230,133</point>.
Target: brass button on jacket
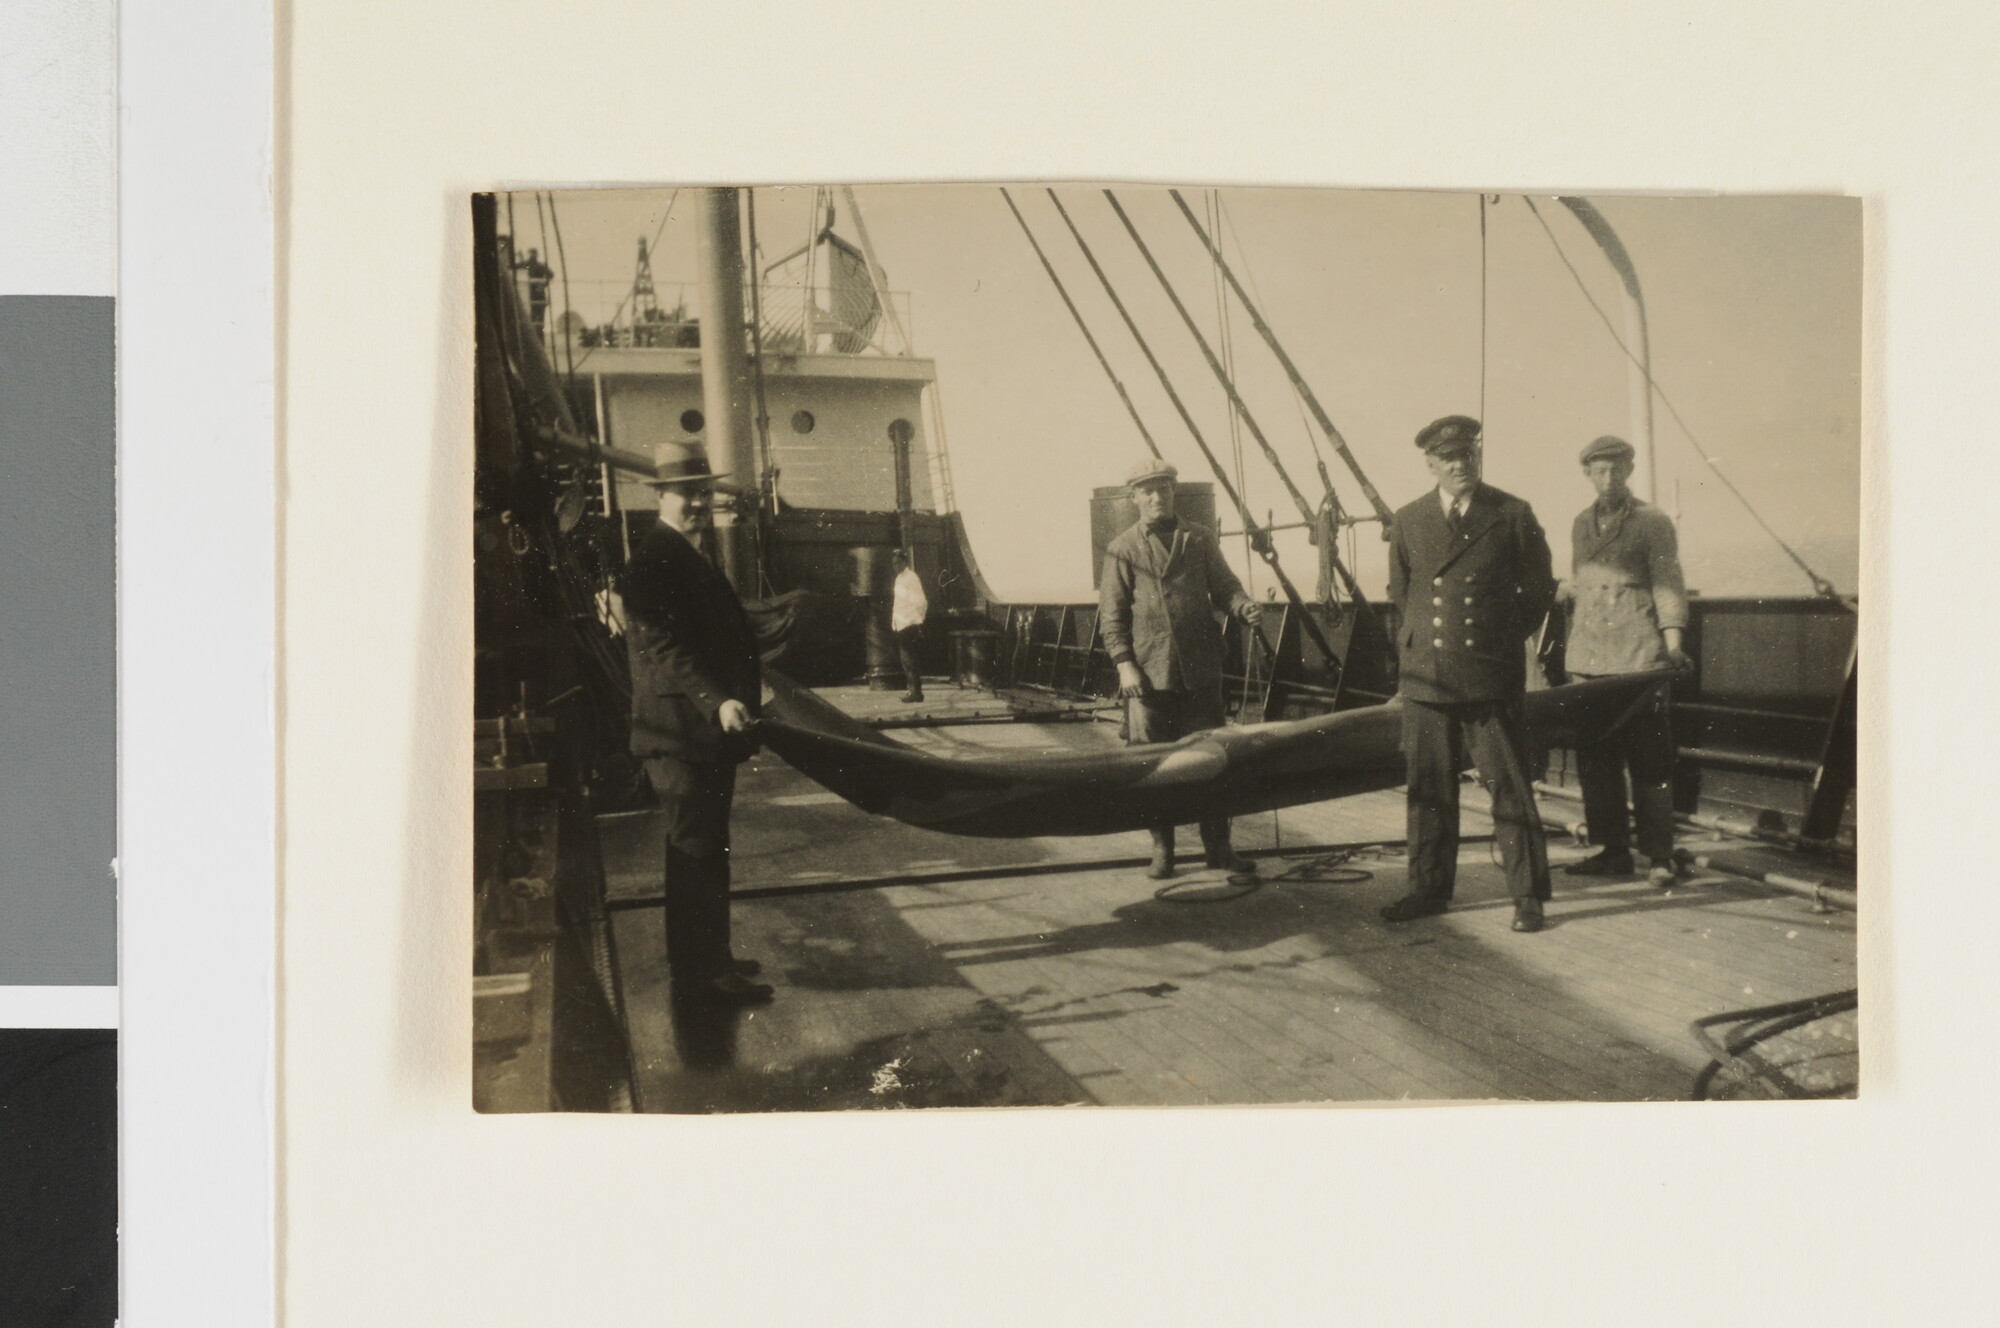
<point>1497,564</point>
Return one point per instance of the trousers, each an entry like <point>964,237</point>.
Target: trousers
<point>1437,738</point>
<point>1169,717</point>
<point>1645,747</point>
<point>694,803</point>
<point>906,654</point>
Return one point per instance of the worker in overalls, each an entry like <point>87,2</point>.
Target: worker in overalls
<point>1628,610</point>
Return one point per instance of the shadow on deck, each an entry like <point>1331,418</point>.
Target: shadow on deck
<point>1080,986</point>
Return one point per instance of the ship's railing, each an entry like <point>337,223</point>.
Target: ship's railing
<point>1764,728</point>
<point>603,314</point>
<point>1269,671</point>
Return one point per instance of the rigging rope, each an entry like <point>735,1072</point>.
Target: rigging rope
<point>1298,401</point>
<point>1821,586</point>
<point>542,228</point>
<point>1262,541</point>
<point>1081,326</point>
<point>569,349</point>
<point>767,470</point>
<point>1482,307</point>
<point>1215,365</point>
<point>1320,416</point>
<point>1229,361</point>
<point>1334,513</point>
<point>1306,510</point>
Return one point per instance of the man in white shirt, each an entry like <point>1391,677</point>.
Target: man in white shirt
<point>906,620</point>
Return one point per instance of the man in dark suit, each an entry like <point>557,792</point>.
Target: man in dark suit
<point>1470,576</point>
<point>1163,584</point>
<point>696,687</point>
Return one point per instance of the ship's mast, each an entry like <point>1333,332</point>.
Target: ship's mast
<point>645,302</point>
<point>725,375</point>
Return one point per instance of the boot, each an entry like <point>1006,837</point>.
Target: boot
<point>1216,850</point>
<point>1162,866</point>
<point>1605,862</point>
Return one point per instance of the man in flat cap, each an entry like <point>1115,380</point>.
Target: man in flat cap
<point>696,687</point>
<point>1164,583</point>
<point>1628,611</point>
<point>1469,575</point>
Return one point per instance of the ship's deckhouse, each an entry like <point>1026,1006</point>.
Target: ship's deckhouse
<point>835,421</point>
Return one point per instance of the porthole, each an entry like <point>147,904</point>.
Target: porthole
<point>692,421</point>
<point>803,421</point>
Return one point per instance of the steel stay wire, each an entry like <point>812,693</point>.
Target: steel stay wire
<point>1337,510</point>
<point>1263,541</point>
<point>1228,343</point>
<point>569,347</point>
<point>1215,366</point>
<point>1299,389</point>
<point>1306,509</point>
<point>1821,586</point>
<point>1326,424</point>
<point>1081,326</point>
<point>1223,221</point>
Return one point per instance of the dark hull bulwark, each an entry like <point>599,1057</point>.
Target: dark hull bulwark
<point>1223,772</point>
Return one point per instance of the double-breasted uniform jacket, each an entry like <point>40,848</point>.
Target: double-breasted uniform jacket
<point>1627,581</point>
<point>1468,602</point>
<point>691,646</point>
<point>1158,608</point>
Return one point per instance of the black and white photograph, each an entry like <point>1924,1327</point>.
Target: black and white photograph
<point>981,646</point>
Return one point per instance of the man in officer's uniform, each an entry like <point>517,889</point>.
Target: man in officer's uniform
<point>1470,578</point>
<point>1164,582</point>
<point>1628,612</point>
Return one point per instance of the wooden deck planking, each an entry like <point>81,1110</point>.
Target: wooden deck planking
<point>1187,970</point>
<point>1467,1036</point>
<point>1630,956</point>
<point>1506,1029</point>
<point>1038,977</point>
<point>1078,986</point>
<point>1386,1056</point>
<point>1427,1060</point>
<point>1655,1006</point>
<point>1117,1027</point>
<point>1568,1051</point>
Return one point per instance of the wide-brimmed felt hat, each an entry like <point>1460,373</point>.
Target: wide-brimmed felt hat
<point>1150,468</point>
<point>1607,448</point>
<point>1452,431</point>
<point>681,463</point>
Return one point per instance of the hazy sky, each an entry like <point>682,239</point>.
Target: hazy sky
<point>1755,307</point>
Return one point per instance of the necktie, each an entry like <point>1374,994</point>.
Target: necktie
<point>1452,519</point>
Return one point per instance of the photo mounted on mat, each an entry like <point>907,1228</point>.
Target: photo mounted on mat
<point>964,646</point>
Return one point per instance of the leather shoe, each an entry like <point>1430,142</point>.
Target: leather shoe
<point>1411,907</point>
<point>1605,862</point>
<point>1665,872</point>
<point>1161,868</point>
<point>1528,914</point>
<point>729,989</point>
<point>913,696</point>
<point>1229,860</point>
